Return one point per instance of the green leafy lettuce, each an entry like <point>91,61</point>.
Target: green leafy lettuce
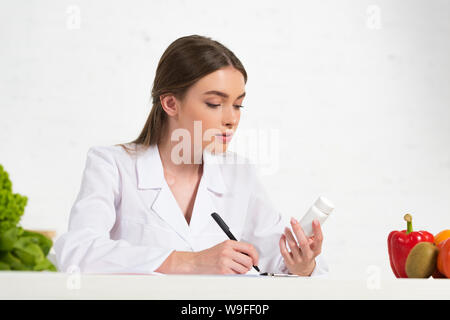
<point>19,249</point>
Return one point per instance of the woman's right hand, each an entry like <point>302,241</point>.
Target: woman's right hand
<point>227,257</point>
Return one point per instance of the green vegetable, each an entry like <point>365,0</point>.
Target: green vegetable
<point>4,266</point>
<point>42,241</point>
<point>8,238</point>
<point>11,260</point>
<point>45,264</point>
<point>19,249</point>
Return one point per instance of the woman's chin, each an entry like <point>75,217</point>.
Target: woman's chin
<point>219,147</point>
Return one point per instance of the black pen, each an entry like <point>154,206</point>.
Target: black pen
<point>226,229</point>
<point>270,274</point>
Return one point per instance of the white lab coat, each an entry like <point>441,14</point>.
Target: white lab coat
<point>126,219</point>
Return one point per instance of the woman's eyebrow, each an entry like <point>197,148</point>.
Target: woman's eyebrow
<point>222,94</point>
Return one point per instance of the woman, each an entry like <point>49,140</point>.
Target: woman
<point>146,206</point>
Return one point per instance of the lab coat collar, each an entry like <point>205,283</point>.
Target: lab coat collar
<point>150,173</point>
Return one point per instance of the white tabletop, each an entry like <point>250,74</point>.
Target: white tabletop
<point>58,285</point>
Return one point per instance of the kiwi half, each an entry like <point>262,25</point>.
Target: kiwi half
<point>421,261</point>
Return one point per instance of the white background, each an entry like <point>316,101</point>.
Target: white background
<point>356,91</point>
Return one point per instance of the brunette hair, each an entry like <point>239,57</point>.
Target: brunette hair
<point>184,62</point>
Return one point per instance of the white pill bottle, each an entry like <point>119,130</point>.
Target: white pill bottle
<point>320,210</point>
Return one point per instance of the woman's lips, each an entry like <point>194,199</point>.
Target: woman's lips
<point>225,137</point>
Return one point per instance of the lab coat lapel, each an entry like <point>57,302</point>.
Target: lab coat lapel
<point>150,174</point>
<point>166,206</point>
<point>151,181</point>
<point>211,189</point>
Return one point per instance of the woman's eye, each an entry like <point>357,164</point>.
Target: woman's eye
<point>212,105</point>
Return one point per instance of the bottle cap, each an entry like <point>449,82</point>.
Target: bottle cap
<point>324,205</point>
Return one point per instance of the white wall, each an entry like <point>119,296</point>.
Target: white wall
<point>358,92</point>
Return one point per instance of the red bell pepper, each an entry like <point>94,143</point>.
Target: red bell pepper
<point>400,244</point>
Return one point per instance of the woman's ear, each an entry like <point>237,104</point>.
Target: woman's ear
<point>169,104</point>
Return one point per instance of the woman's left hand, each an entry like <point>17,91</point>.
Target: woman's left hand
<point>301,260</point>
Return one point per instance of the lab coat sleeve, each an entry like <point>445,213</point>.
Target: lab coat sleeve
<point>263,228</point>
<point>87,246</point>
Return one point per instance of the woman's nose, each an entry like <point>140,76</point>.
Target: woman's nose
<point>229,116</point>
